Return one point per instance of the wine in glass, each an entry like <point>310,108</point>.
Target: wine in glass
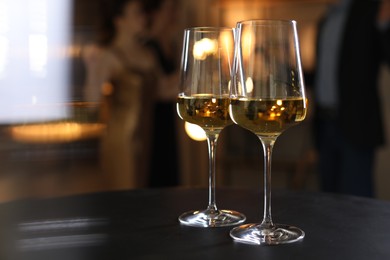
<point>206,66</point>
<point>267,97</point>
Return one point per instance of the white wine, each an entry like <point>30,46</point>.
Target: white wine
<point>267,117</point>
<point>210,113</point>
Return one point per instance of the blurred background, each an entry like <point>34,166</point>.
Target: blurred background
<point>53,137</point>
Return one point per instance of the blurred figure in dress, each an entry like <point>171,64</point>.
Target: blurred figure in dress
<point>352,44</point>
<point>121,73</point>
<point>163,41</point>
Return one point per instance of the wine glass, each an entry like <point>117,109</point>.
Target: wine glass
<point>206,66</point>
<point>267,97</point>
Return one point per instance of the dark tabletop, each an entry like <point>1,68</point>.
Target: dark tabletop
<point>142,224</point>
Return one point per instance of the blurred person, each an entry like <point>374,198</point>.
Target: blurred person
<point>121,73</point>
<point>163,43</point>
<point>352,44</point>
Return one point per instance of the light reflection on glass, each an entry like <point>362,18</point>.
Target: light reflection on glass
<point>195,132</point>
<point>248,47</point>
<point>227,41</point>
<point>249,85</point>
<point>205,48</point>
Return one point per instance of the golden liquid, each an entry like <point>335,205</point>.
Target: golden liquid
<point>212,114</point>
<point>267,117</point>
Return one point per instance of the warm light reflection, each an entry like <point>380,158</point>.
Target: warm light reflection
<point>195,132</point>
<point>227,42</point>
<point>239,88</point>
<point>275,111</point>
<point>204,48</point>
<point>249,85</point>
<point>226,37</point>
<point>247,45</point>
<point>58,132</point>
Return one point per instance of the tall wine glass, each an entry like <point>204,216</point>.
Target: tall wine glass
<point>206,67</point>
<point>267,98</point>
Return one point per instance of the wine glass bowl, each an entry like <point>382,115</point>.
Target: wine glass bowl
<point>268,117</point>
<point>204,99</point>
<point>267,97</point>
<point>205,110</point>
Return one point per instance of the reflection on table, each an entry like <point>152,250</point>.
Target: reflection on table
<point>142,224</point>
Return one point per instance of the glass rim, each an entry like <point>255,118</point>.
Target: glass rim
<point>205,29</point>
<point>267,22</point>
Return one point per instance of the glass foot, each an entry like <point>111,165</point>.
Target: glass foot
<point>259,235</point>
<point>211,218</point>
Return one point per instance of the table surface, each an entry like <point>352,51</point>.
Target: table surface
<point>142,224</point>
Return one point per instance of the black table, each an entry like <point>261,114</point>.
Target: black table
<point>142,224</point>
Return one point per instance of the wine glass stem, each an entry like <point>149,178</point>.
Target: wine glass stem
<point>268,144</point>
<point>212,145</point>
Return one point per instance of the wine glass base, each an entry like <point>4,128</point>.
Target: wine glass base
<point>211,218</point>
<point>258,235</point>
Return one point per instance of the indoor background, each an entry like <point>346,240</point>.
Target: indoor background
<point>43,169</point>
